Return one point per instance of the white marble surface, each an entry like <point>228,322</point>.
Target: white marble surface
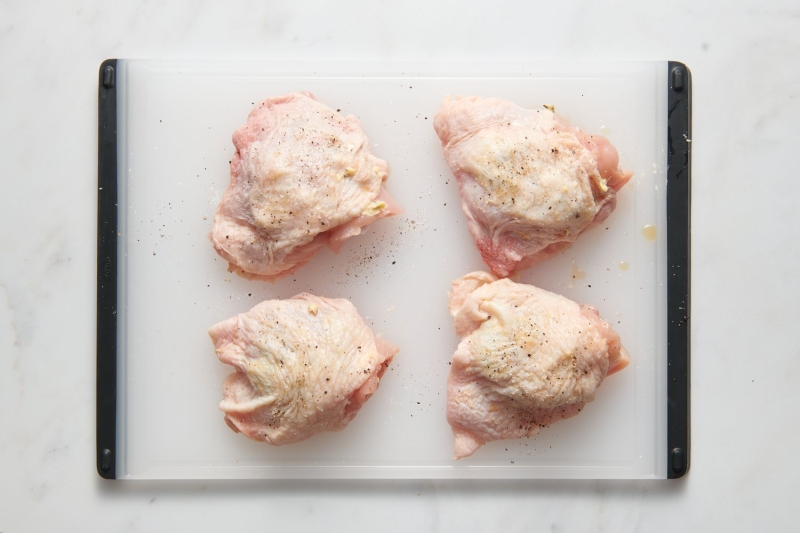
<point>746,259</point>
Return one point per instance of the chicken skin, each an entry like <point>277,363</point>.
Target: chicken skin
<point>303,365</point>
<point>527,359</point>
<point>302,178</point>
<point>530,183</point>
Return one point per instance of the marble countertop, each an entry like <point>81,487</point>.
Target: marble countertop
<point>746,259</point>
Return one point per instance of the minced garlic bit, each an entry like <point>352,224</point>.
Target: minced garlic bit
<point>379,172</point>
<point>374,208</point>
<point>312,308</point>
<point>349,172</point>
<point>603,184</point>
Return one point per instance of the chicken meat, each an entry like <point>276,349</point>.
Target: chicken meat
<point>530,183</point>
<point>527,358</point>
<point>302,177</point>
<point>303,365</point>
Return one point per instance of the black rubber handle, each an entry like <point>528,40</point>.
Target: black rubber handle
<point>107,271</point>
<point>679,194</point>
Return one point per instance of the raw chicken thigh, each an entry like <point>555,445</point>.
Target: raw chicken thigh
<point>303,365</point>
<point>529,182</point>
<point>527,358</point>
<point>302,177</point>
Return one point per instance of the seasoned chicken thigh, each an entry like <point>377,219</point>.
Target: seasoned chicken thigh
<point>529,182</point>
<point>302,177</point>
<point>527,358</point>
<point>303,365</point>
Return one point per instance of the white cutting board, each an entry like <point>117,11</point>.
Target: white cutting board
<point>175,124</point>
